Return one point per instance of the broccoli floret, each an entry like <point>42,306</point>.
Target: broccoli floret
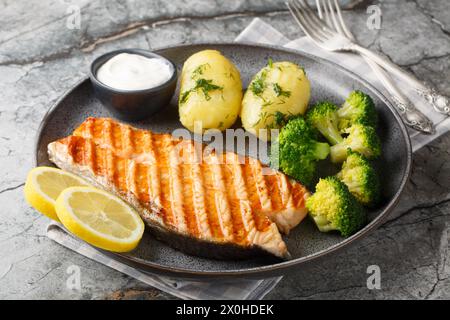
<point>362,139</point>
<point>333,207</point>
<point>296,150</point>
<point>361,179</point>
<point>357,108</point>
<point>323,116</point>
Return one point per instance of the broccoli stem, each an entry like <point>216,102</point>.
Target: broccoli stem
<point>338,152</point>
<point>322,149</point>
<point>353,185</point>
<point>323,223</point>
<point>331,134</point>
<point>346,111</point>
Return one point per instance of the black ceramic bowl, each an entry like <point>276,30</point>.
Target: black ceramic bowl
<point>133,105</point>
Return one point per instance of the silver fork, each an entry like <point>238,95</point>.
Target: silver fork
<point>331,40</point>
<point>330,12</point>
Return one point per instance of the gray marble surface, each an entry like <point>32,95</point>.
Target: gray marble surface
<point>40,58</point>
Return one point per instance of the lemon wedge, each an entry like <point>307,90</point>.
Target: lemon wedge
<point>99,218</point>
<point>43,186</point>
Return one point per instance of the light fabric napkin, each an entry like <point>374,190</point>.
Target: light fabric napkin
<point>259,32</point>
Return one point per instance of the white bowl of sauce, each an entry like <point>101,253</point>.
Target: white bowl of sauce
<point>133,83</point>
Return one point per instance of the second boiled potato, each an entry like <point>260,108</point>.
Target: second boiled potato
<point>280,90</point>
<point>210,92</point>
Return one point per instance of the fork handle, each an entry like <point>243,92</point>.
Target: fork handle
<point>409,113</point>
<point>439,102</point>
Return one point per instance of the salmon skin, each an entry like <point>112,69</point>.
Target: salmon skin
<point>220,207</point>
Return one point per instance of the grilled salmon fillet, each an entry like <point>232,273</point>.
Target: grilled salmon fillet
<point>213,205</point>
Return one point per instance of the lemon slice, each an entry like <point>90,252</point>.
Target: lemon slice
<point>99,218</point>
<point>43,186</point>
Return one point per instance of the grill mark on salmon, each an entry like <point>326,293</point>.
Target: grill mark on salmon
<point>211,208</point>
<point>240,194</point>
<point>230,208</point>
<point>176,197</point>
<point>260,219</point>
<point>274,191</point>
<point>188,206</point>
<point>198,199</point>
<point>239,229</point>
<point>221,200</point>
<point>165,194</point>
<point>260,184</point>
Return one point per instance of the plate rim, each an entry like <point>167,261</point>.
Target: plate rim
<point>274,268</point>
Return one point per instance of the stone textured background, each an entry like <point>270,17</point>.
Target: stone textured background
<point>40,59</point>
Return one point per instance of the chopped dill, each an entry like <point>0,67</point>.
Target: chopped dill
<point>258,84</point>
<point>279,118</point>
<point>184,96</point>
<point>280,92</point>
<point>199,70</point>
<point>200,84</point>
<point>259,120</point>
<point>206,86</point>
<point>264,115</point>
<point>267,103</point>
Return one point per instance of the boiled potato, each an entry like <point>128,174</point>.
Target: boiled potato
<point>278,91</point>
<point>210,93</point>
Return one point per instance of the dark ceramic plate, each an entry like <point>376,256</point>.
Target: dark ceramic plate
<point>328,81</point>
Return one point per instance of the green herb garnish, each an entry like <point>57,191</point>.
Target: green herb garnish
<point>280,118</point>
<point>200,84</point>
<point>206,86</point>
<point>267,103</point>
<point>184,96</point>
<point>280,92</point>
<point>199,70</point>
<point>270,63</point>
<point>264,115</point>
<point>258,84</point>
